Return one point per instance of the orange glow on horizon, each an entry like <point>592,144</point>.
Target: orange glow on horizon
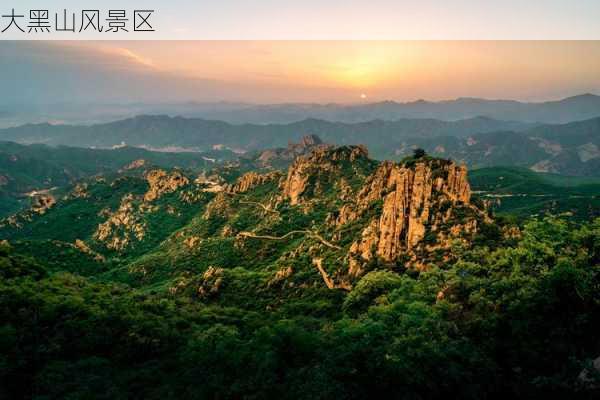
<point>396,70</point>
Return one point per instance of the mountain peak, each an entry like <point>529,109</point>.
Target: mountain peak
<point>310,173</point>
<point>310,140</point>
<point>583,96</point>
<point>418,199</point>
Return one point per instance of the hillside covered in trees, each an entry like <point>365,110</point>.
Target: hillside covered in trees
<point>333,276</point>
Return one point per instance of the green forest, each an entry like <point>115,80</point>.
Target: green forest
<point>514,319</point>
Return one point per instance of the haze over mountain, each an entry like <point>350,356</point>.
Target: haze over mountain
<point>83,82</point>
<point>571,148</point>
<point>569,109</point>
<point>160,131</point>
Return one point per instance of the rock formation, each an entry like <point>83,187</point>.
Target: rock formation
<point>311,172</point>
<point>84,248</point>
<point>42,202</point>
<point>162,182</point>
<point>250,180</point>
<point>121,226</point>
<point>211,282</point>
<point>416,201</point>
<point>134,165</point>
<point>307,144</point>
<point>80,191</point>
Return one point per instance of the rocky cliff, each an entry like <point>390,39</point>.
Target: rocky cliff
<point>420,207</point>
<point>408,214</point>
<point>161,182</point>
<point>250,180</point>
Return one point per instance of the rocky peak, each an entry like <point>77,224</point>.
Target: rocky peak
<point>310,172</point>
<point>427,198</point>
<point>161,182</point>
<point>310,140</point>
<point>250,180</point>
<point>307,144</point>
<point>122,225</point>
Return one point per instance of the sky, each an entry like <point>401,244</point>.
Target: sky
<point>295,71</point>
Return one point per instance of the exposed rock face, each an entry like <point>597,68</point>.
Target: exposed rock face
<point>296,182</point>
<point>280,276</point>
<point>250,180</point>
<point>42,202</point>
<point>162,182</point>
<point>121,226</point>
<point>416,200</point>
<point>134,165</point>
<point>192,241</point>
<point>543,166</point>
<point>267,156</point>
<point>588,151</point>
<point>314,170</point>
<point>211,282</point>
<point>307,144</point>
<point>211,184</point>
<point>220,205</point>
<point>80,191</point>
<point>84,248</point>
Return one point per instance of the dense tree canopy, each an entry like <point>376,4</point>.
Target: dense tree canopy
<point>518,320</point>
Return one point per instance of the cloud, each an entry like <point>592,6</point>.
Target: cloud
<point>131,56</point>
<point>95,72</point>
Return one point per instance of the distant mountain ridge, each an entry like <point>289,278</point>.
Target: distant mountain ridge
<point>572,148</point>
<point>569,109</point>
<point>574,108</point>
<point>161,131</point>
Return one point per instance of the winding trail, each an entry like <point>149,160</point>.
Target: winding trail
<point>305,232</point>
<point>317,262</point>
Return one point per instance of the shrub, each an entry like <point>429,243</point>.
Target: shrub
<point>371,286</point>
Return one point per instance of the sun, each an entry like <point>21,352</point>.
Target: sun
<point>363,96</point>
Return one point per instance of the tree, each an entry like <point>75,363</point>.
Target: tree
<point>419,153</point>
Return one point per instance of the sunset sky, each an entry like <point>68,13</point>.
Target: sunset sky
<point>296,71</point>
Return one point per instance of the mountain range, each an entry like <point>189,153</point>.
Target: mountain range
<point>571,148</point>
<point>579,107</point>
<point>569,109</point>
<point>178,133</point>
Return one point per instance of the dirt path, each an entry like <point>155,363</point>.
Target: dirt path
<point>305,232</point>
